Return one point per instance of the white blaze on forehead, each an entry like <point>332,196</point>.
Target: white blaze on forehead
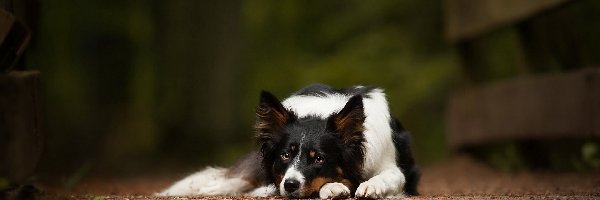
<point>321,106</point>
<point>297,158</point>
<point>292,172</point>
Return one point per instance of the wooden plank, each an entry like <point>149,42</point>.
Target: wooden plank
<point>541,107</point>
<point>20,124</point>
<point>466,19</point>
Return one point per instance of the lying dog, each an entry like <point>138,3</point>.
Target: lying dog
<point>319,142</point>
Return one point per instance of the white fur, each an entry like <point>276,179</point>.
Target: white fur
<point>333,190</point>
<point>264,191</point>
<point>382,185</point>
<point>380,166</point>
<point>380,153</point>
<point>315,106</point>
<point>208,182</point>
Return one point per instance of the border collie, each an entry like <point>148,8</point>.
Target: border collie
<point>319,142</point>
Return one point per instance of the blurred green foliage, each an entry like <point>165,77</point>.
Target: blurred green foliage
<point>134,84</point>
<point>4,183</point>
<point>396,45</point>
<point>590,154</point>
<point>137,84</point>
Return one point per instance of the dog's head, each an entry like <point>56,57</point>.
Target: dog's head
<point>302,154</point>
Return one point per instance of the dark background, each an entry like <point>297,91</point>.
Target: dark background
<point>130,85</point>
<point>147,85</point>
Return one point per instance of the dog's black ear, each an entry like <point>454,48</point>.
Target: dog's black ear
<point>271,117</point>
<point>348,123</point>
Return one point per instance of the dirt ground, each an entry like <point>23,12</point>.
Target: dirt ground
<point>457,178</point>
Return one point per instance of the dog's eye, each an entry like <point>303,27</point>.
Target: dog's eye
<point>285,155</point>
<point>319,159</point>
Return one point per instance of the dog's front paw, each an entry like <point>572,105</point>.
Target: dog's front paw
<point>263,191</point>
<point>371,189</point>
<point>334,190</point>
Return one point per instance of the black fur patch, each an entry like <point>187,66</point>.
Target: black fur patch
<point>404,157</point>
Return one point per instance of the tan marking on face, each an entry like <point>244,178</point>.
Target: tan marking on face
<point>278,179</point>
<point>293,147</point>
<point>341,178</point>
<point>315,185</point>
<point>312,153</point>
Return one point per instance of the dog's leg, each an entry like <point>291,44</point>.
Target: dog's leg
<point>388,182</point>
<point>208,182</point>
<point>241,177</point>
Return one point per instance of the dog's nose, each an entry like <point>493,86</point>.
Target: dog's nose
<point>291,185</point>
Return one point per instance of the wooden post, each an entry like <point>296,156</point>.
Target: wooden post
<point>20,102</point>
<point>20,124</point>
